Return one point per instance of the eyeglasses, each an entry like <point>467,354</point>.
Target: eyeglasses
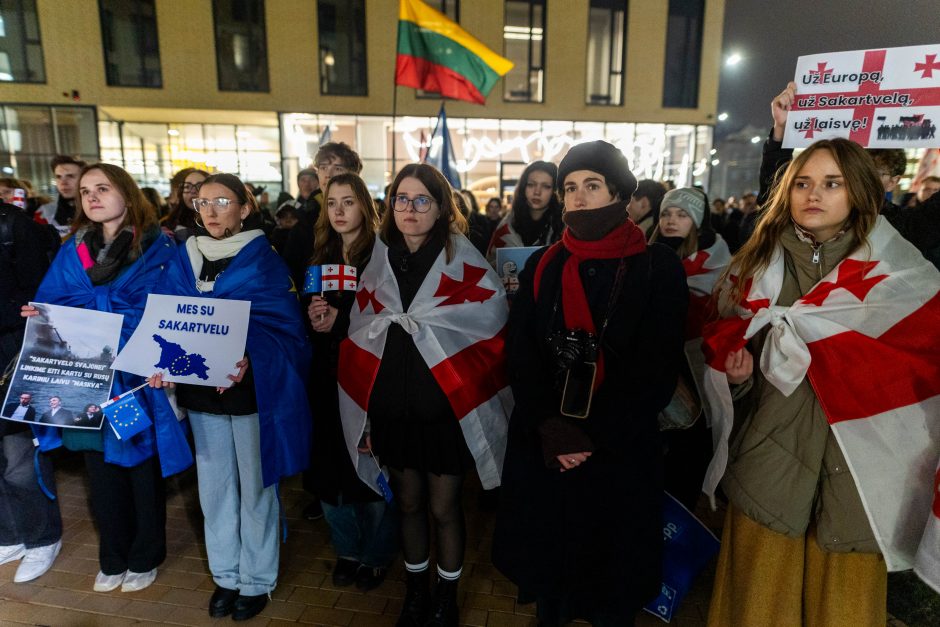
<point>221,205</point>
<point>421,204</point>
<point>191,187</point>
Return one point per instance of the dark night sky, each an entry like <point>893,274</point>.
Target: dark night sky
<point>772,34</point>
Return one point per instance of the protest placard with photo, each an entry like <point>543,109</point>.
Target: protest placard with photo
<point>510,262</point>
<point>64,373</point>
<point>886,98</point>
<point>188,340</point>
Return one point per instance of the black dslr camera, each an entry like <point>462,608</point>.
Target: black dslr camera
<point>575,353</point>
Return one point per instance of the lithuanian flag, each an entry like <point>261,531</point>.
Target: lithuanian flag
<point>436,55</point>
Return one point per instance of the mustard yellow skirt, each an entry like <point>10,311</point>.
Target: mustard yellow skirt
<point>766,578</point>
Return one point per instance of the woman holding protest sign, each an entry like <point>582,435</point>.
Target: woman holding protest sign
<point>114,258</point>
<point>251,434</point>
<point>422,379</point>
<point>805,540</point>
<point>362,525</point>
<point>535,218</point>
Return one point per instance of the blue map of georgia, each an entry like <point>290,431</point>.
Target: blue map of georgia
<point>178,362</point>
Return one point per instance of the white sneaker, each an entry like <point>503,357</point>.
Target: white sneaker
<point>36,562</point>
<point>138,581</point>
<point>11,553</point>
<point>107,583</point>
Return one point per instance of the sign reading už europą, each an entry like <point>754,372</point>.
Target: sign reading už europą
<point>887,98</point>
<point>188,340</point>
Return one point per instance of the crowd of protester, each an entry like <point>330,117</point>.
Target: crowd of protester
<point>580,396</point>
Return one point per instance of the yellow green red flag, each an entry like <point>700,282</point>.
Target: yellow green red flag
<point>436,55</point>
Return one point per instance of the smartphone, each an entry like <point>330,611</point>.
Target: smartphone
<point>578,391</point>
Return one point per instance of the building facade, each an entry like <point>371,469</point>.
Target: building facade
<point>254,86</point>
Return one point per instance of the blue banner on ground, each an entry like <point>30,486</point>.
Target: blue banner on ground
<point>689,546</point>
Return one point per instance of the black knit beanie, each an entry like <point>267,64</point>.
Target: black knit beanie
<point>601,157</point>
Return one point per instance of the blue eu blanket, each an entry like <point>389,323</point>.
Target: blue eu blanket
<point>277,348</point>
<point>68,284</point>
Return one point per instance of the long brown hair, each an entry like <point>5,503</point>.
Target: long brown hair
<point>141,216</point>
<point>329,243</point>
<point>178,214</point>
<point>865,194</point>
<point>451,220</point>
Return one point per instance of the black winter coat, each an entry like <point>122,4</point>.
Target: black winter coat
<point>592,536</point>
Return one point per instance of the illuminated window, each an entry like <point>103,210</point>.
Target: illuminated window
<point>20,44</point>
<point>524,45</point>
<point>241,47</point>
<point>342,36</point>
<point>129,39</point>
<point>607,33</point>
<point>683,53</point>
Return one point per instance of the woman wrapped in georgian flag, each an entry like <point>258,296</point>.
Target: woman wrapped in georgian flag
<point>685,226</point>
<point>422,381</point>
<point>837,432</point>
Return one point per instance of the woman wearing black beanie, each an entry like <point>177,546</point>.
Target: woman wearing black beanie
<point>594,345</point>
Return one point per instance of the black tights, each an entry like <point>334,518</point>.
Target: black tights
<point>417,492</point>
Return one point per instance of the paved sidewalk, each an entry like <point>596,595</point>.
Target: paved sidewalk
<point>64,597</point>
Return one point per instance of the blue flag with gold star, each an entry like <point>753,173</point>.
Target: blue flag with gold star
<point>126,417</point>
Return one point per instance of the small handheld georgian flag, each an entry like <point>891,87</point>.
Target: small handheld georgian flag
<point>126,417</point>
<point>313,280</point>
<point>339,277</point>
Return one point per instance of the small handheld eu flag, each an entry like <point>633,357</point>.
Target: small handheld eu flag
<point>126,417</point>
<point>313,280</point>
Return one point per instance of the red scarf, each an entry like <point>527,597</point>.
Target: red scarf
<point>624,241</point>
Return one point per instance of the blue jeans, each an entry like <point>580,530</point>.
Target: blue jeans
<point>241,515</point>
<point>363,532</point>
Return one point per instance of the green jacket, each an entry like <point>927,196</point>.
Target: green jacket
<point>785,468</point>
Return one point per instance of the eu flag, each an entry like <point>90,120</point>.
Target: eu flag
<point>126,417</point>
<point>313,281</point>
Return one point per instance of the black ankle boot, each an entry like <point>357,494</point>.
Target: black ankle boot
<point>414,610</point>
<point>443,611</point>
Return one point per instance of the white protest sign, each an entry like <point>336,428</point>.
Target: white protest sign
<point>189,340</point>
<point>63,373</point>
<point>887,98</point>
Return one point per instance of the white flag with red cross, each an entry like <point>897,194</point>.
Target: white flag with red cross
<point>868,337</point>
<point>886,98</point>
<point>337,277</point>
<point>457,321</point>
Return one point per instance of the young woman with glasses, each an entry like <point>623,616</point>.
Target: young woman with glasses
<point>114,258</point>
<point>180,221</point>
<point>256,431</point>
<point>426,335</point>
<point>362,526</point>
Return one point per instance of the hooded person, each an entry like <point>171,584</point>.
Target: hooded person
<point>593,348</point>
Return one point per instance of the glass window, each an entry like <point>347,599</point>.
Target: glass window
<point>20,44</point>
<point>129,39</point>
<point>342,35</point>
<point>607,33</point>
<point>241,47</point>
<point>524,45</point>
<point>683,53</point>
<point>30,135</point>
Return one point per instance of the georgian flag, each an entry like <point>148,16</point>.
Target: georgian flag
<point>927,563</point>
<point>868,337</point>
<point>337,277</point>
<point>457,321</point>
<point>702,270</point>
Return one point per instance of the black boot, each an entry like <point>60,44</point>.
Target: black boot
<point>443,611</point>
<point>414,610</point>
